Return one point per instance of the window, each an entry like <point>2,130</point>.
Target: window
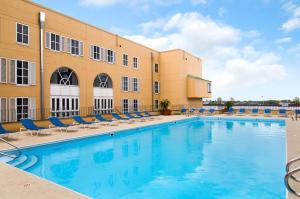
<point>135,105</point>
<point>125,84</point>
<point>110,56</point>
<point>22,34</point>
<point>156,104</point>
<point>55,42</point>
<point>64,106</point>
<point>95,52</point>
<point>22,107</point>
<point>156,87</point>
<point>125,60</point>
<point>74,47</point>
<point>22,72</point>
<point>135,62</point>
<point>156,68</point>
<point>135,84</point>
<point>125,105</point>
<point>209,87</point>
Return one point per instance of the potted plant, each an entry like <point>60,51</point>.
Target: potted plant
<point>164,104</point>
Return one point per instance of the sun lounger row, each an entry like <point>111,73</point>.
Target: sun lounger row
<point>55,122</point>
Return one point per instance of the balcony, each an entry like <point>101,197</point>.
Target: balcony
<point>198,87</point>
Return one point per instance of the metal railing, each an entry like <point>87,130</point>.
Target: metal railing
<point>17,149</point>
<point>290,175</point>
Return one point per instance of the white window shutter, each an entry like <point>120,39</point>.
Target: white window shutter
<point>68,45</point>
<point>12,110</point>
<point>12,71</point>
<point>114,57</point>
<point>47,40</point>
<point>122,84</point>
<point>138,84</point>
<point>32,73</point>
<point>3,109</point>
<point>81,48</point>
<point>105,55</point>
<point>3,70</point>
<point>32,108</point>
<point>91,51</point>
<point>62,44</point>
<point>102,54</point>
<point>131,84</point>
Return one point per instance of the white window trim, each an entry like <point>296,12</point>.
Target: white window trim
<point>128,84</point>
<point>6,109</point>
<point>123,60</point>
<point>157,68</point>
<point>16,105</point>
<point>100,54</point>
<point>122,105</point>
<point>21,43</point>
<point>157,86</point>
<point>113,57</point>
<point>137,63</point>
<point>60,47</point>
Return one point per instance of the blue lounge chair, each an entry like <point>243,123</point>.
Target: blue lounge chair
<point>144,116</point>
<point>121,119</point>
<point>4,132</point>
<point>282,112</point>
<point>202,110</point>
<point>134,117</point>
<point>267,112</point>
<point>30,126</point>
<point>230,111</point>
<point>242,111</point>
<point>183,111</point>
<point>105,121</point>
<point>56,122</point>
<point>255,112</point>
<point>146,113</point>
<point>211,111</point>
<point>79,120</point>
<point>192,111</point>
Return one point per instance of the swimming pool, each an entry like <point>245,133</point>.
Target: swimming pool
<point>194,158</point>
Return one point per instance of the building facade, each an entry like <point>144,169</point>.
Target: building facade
<point>52,64</point>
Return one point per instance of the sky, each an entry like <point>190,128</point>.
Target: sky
<point>250,48</point>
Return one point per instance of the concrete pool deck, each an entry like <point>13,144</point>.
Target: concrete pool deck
<point>15,183</point>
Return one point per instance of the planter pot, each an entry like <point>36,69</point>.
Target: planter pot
<point>166,112</point>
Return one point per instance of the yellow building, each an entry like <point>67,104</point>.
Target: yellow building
<point>52,64</point>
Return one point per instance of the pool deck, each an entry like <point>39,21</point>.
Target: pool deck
<point>15,183</point>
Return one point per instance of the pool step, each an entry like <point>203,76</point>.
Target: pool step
<point>31,161</point>
<point>18,160</point>
<point>5,159</point>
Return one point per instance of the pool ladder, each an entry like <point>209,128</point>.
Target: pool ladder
<point>17,149</point>
<point>290,175</point>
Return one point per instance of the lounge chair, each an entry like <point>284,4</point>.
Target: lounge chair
<point>57,123</point>
<point>297,114</point>
<point>146,113</point>
<point>104,121</point>
<point>201,111</point>
<point>30,126</point>
<point>230,111</point>
<point>138,118</point>
<point>282,112</point>
<point>80,121</point>
<point>255,112</point>
<point>267,112</point>
<point>192,111</point>
<point>4,132</point>
<point>211,111</point>
<point>122,119</point>
<point>144,116</point>
<point>183,111</point>
<point>242,111</point>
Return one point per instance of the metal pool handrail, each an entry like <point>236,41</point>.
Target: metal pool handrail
<point>19,152</point>
<point>287,184</point>
<point>288,166</point>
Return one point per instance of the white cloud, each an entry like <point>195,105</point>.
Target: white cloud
<point>227,62</point>
<point>293,22</point>
<point>100,3</point>
<point>283,40</point>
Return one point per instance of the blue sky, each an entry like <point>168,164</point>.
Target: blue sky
<point>250,48</point>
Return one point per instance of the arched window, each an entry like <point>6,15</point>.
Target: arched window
<point>64,76</point>
<point>103,81</point>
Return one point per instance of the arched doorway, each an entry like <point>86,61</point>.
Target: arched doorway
<point>64,93</point>
<point>103,94</point>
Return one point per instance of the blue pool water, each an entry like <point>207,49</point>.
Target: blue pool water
<point>196,158</point>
